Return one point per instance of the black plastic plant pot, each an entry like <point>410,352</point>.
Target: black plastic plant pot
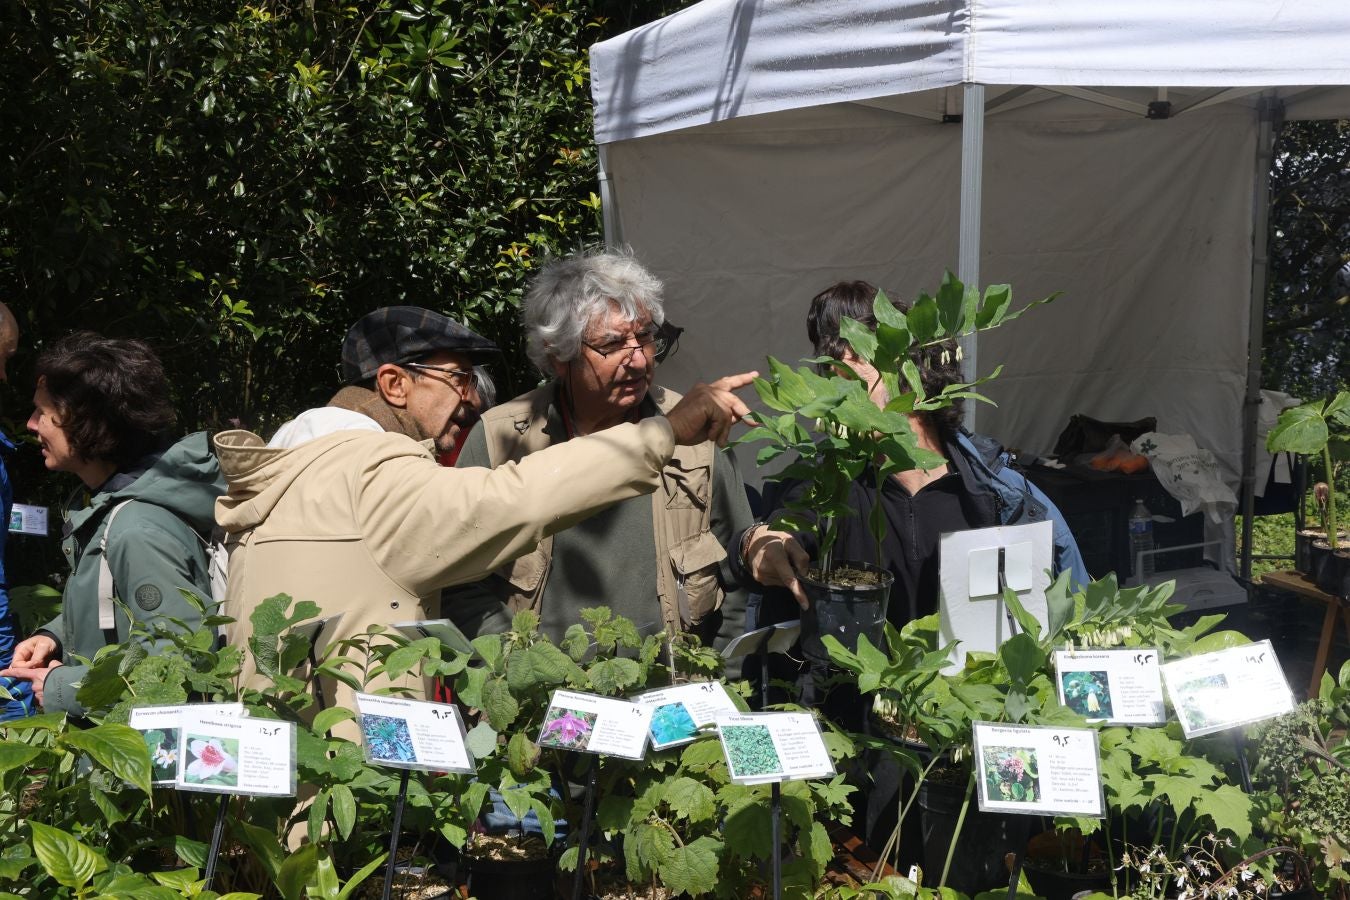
<point>1334,574</point>
<point>509,879</point>
<point>986,838</point>
<point>845,610</point>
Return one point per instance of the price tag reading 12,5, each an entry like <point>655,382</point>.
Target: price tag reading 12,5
<point>594,724</point>
<point>1122,687</point>
<point>1038,770</point>
<point>235,756</point>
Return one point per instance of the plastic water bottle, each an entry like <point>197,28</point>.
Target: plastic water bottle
<point>1141,538</point>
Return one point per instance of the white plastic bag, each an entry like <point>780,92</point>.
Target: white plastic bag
<point>1189,473</point>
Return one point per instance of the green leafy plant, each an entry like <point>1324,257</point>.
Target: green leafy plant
<point>1310,430</point>
<point>823,415</point>
<point>1303,765</point>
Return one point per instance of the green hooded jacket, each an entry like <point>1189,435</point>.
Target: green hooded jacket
<point>155,550</point>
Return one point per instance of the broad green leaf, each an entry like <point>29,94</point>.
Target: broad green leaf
<point>701,755</point>
<point>692,868</point>
<point>500,706</point>
<point>645,847</point>
<point>613,813</point>
<point>490,648</point>
<point>690,799</point>
<point>405,659</point>
<point>1299,430</point>
<point>266,848</point>
<point>65,859</point>
<point>923,320</point>
<point>611,676</point>
<point>951,304</point>
<point>191,851</point>
<point>522,754</point>
<point>327,718</point>
<point>997,297</point>
<point>481,740</point>
<point>1029,623</point>
<point>1338,408</point>
<point>118,748</point>
<point>1022,657</point>
<point>14,756</point>
<point>748,830</point>
<point>298,870</point>
<point>344,809</point>
<point>859,337</point>
<point>886,313</point>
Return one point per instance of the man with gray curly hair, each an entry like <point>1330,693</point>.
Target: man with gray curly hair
<point>593,322</point>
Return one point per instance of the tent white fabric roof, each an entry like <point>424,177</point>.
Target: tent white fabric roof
<point>724,59</point>
<point>753,153</point>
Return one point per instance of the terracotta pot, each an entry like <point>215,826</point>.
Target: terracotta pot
<point>845,611</point>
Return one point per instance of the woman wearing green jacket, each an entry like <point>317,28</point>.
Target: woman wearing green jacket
<point>102,412</point>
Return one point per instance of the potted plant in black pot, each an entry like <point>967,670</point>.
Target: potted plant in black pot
<point>1312,430</point>
<point>825,414</point>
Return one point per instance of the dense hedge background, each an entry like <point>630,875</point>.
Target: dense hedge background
<point>237,182</point>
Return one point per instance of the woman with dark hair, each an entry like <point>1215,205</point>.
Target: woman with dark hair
<point>102,413</point>
<point>976,488</point>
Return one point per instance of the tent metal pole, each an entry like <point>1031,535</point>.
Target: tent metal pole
<point>609,207</point>
<point>1269,110</point>
<point>972,194</point>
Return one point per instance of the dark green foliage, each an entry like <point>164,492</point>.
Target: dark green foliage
<point>238,182</point>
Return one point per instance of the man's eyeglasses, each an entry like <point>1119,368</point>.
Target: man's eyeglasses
<point>649,342</point>
<point>459,379</point>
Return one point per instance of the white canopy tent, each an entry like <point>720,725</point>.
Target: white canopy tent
<point>752,153</point>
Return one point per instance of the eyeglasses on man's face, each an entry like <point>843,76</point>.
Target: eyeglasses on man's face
<point>646,340</point>
<point>459,378</point>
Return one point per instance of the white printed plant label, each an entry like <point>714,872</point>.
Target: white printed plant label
<point>679,712</point>
<point>593,724</point>
<point>235,756</point>
<point>1038,770</point>
<point>412,734</point>
<point>158,725</point>
<point>1120,686</point>
<point>774,746</point>
<point>1236,686</point>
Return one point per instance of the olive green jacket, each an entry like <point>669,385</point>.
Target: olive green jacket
<point>156,549</point>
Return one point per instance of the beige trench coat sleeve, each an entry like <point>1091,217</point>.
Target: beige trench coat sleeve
<point>461,525</point>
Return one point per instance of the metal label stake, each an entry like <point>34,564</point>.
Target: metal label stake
<point>776,816</point>
<point>583,838</point>
<point>401,802</point>
<point>213,855</point>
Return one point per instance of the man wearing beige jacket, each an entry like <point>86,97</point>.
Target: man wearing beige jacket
<point>362,521</point>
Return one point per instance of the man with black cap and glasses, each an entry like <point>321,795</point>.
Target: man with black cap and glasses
<point>348,508</point>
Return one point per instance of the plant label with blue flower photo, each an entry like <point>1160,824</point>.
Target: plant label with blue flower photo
<point>590,723</point>
<point>773,746</point>
<point>412,734</point>
<point>159,726</point>
<point>1120,686</point>
<point>235,756</point>
<point>1227,688</point>
<point>1038,770</point>
<point>679,712</point>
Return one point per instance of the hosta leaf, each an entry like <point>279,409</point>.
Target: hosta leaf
<point>118,748</point>
<point>65,859</point>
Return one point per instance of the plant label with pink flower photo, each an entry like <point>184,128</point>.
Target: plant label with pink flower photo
<point>1227,688</point>
<point>159,726</point>
<point>1121,686</point>
<point>1038,770</point>
<point>412,734</point>
<point>593,724</point>
<point>679,712</point>
<point>235,756</point>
